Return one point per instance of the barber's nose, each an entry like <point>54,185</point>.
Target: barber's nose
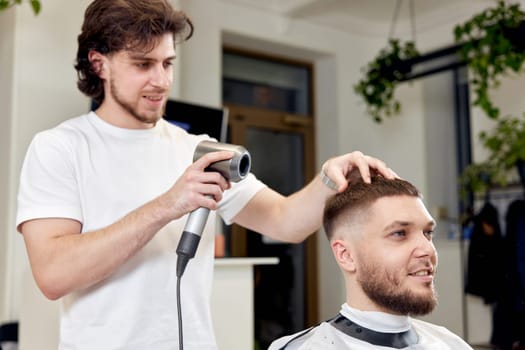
<point>161,78</point>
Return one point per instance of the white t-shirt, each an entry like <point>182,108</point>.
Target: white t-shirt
<point>326,336</point>
<point>91,171</point>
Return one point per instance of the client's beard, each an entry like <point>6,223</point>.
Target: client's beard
<point>383,288</point>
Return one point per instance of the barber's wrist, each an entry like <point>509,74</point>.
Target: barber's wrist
<point>327,181</point>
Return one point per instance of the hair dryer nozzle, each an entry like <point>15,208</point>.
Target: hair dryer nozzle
<point>234,169</point>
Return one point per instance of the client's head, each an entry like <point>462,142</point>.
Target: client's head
<point>381,237</point>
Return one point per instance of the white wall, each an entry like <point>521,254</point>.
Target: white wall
<point>39,92</point>
<point>7,21</point>
<point>42,93</point>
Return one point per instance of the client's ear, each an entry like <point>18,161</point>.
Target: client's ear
<point>343,255</point>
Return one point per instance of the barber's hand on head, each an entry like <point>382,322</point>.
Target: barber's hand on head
<point>339,171</point>
<point>199,188</point>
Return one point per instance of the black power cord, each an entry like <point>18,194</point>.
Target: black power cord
<point>179,311</point>
<point>185,251</point>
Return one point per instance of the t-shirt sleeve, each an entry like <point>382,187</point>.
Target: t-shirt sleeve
<point>48,187</point>
<point>238,196</point>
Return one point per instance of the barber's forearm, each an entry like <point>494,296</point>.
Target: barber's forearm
<point>70,261</point>
<point>303,211</point>
<point>288,219</point>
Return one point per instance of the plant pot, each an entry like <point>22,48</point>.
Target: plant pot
<point>520,165</point>
<point>515,36</point>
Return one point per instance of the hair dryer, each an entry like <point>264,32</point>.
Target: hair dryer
<point>234,169</point>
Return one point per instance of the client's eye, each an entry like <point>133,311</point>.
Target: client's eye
<point>399,234</point>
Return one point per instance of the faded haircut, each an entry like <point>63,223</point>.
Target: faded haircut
<point>360,196</point>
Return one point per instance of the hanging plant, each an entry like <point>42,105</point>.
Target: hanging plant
<point>492,45</point>
<point>506,145</point>
<point>35,5</point>
<point>381,78</point>
<point>479,178</point>
<point>506,142</point>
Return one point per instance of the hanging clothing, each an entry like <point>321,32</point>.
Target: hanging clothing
<point>509,318</point>
<point>484,271</point>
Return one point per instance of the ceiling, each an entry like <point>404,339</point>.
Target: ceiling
<point>373,17</point>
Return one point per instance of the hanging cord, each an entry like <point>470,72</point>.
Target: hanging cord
<point>413,20</point>
<point>179,314</point>
<point>394,19</point>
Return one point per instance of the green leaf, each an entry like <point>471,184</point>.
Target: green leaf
<point>35,5</point>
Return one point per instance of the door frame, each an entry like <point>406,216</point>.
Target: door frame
<point>240,119</point>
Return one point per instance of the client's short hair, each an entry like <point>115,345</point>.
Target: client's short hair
<point>360,195</point>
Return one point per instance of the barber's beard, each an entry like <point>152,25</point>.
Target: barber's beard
<point>133,110</point>
<point>384,288</point>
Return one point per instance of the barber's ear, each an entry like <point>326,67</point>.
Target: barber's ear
<point>97,61</point>
<point>343,255</point>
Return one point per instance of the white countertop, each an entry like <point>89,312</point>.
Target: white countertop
<point>246,261</point>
